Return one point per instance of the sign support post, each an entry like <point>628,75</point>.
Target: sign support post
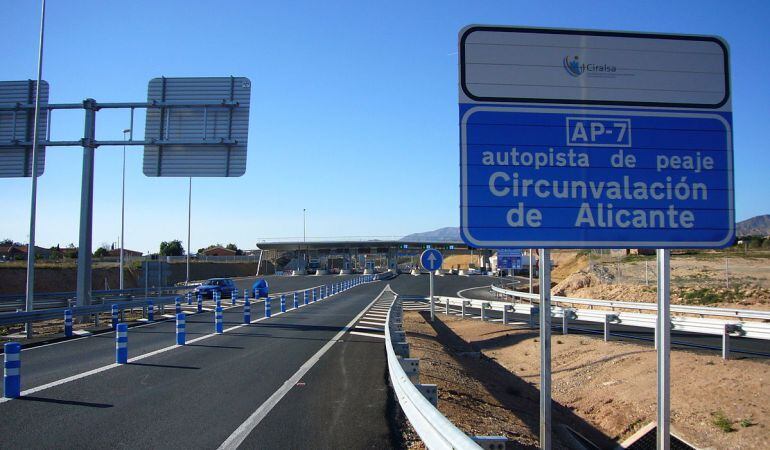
<point>545,349</point>
<point>664,349</point>
<point>432,300</point>
<point>86,205</point>
<point>431,260</point>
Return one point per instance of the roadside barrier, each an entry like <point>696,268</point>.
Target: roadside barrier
<point>12,370</point>
<point>296,301</point>
<point>178,306</point>
<point>200,303</point>
<point>218,325</point>
<point>314,299</point>
<point>247,312</point>
<point>180,328</point>
<point>150,311</point>
<point>189,298</point>
<point>121,344</point>
<point>234,296</point>
<point>307,297</point>
<point>267,307</point>
<point>68,322</point>
<point>245,295</point>
<point>283,303</point>
<point>114,316</point>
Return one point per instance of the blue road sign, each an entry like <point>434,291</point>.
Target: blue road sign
<point>431,259</point>
<point>612,157</point>
<point>509,258</point>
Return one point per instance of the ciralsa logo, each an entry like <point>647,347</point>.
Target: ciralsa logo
<point>574,67</point>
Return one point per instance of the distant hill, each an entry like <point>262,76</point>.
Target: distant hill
<point>446,234</point>
<point>756,226</point>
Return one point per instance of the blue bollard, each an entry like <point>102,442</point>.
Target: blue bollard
<point>234,296</point>
<point>177,305</point>
<point>323,292</point>
<point>114,316</point>
<point>200,303</point>
<point>121,344</point>
<point>245,295</point>
<point>267,307</point>
<point>283,303</point>
<point>189,298</point>
<point>218,324</point>
<point>217,299</point>
<point>247,312</point>
<point>296,301</point>
<point>314,299</point>
<point>180,329</point>
<point>150,311</point>
<point>307,296</point>
<point>68,322</point>
<point>12,375</point>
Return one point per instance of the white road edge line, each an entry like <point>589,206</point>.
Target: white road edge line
<point>359,333</point>
<point>243,431</point>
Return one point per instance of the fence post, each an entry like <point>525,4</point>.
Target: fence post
<point>200,303</point>
<point>218,325</point>
<point>150,311</point>
<point>121,344</point>
<point>267,307</point>
<point>247,312</point>
<point>180,329</point>
<point>726,342</point>
<point>12,374</point>
<point>68,322</point>
<point>283,303</point>
<point>296,301</point>
<point>114,316</point>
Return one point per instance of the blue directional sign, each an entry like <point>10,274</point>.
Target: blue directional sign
<point>431,259</point>
<point>568,139</point>
<point>509,259</point>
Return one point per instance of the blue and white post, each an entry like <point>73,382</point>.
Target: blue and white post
<point>245,295</point>
<point>189,298</point>
<point>314,297</point>
<point>68,322</point>
<point>247,312</point>
<point>12,373</point>
<point>283,303</point>
<point>218,322</point>
<point>200,303</point>
<point>307,297</point>
<point>177,305</point>
<point>218,299</point>
<point>296,301</point>
<point>234,296</point>
<point>267,307</point>
<point>121,344</point>
<point>150,311</point>
<point>180,328</point>
<point>114,316</point>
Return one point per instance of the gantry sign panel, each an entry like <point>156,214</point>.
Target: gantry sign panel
<point>197,141</point>
<point>17,122</point>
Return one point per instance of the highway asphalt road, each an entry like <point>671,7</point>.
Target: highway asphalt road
<point>200,394</point>
<point>742,347</point>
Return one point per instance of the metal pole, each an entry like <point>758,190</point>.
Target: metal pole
<point>304,241</point>
<point>530,271</point>
<point>189,222</point>
<point>86,205</point>
<point>432,300</point>
<point>664,349</point>
<point>545,349</point>
<point>727,272</point>
<point>30,300</point>
<point>123,212</point>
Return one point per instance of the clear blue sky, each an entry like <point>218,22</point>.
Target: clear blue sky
<point>353,104</point>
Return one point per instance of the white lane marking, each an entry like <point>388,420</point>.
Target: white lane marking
<point>358,333</point>
<point>242,432</point>
<point>359,327</point>
<point>78,376</point>
<point>369,322</point>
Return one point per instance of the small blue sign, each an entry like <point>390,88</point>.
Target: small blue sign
<point>431,259</point>
<point>509,258</point>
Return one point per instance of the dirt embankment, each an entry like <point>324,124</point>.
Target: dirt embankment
<point>488,381</point>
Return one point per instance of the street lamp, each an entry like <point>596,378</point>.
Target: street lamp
<point>123,209</point>
<point>304,241</point>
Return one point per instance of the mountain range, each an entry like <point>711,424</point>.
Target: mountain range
<point>756,226</point>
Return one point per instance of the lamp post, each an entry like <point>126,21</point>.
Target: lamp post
<point>304,241</point>
<point>123,210</point>
<point>189,217</point>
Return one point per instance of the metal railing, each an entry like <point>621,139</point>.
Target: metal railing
<point>47,300</point>
<point>435,430</point>
<point>641,306</point>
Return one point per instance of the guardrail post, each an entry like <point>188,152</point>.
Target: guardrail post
<point>411,367</point>
<point>283,303</point>
<point>177,305</point>
<point>398,336</point>
<point>121,344</point>
<point>68,322</point>
<point>218,322</point>
<point>726,341</point>
<point>200,303</point>
<point>12,373</point>
<point>307,297</point>
<point>189,298</point>
<point>296,301</point>
<point>446,307</point>
<point>150,311</point>
<point>607,318</point>
<point>180,328</point>
<point>533,313</point>
<point>565,321</point>
<point>465,304</point>
<point>505,314</point>
<point>490,442</point>
<point>267,307</point>
<point>401,349</point>
<point>247,312</point>
<point>484,307</point>
<point>114,316</point>
<point>430,392</point>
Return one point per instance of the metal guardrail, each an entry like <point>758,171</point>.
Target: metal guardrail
<point>46,300</point>
<point>641,306</point>
<point>435,430</point>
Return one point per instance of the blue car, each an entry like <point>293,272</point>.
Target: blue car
<point>260,288</point>
<point>224,286</point>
